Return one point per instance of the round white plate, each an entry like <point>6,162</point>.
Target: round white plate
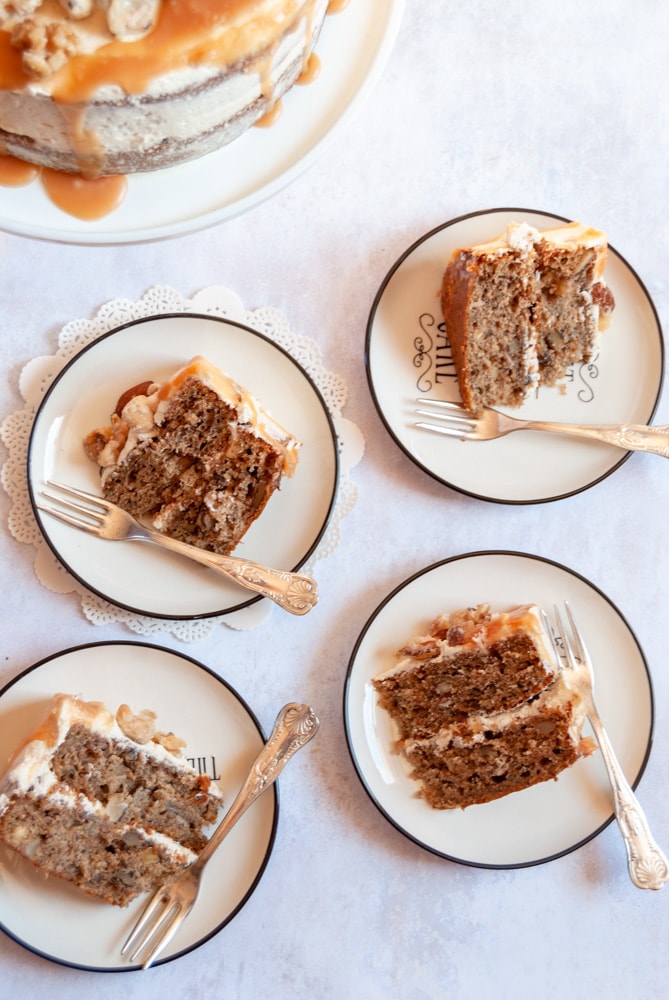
<point>56,920</point>
<point>353,48</point>
<point>407,356</point>
<point>539,823</point>
<point>144,578</point>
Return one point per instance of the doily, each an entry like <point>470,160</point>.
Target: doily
<point>37,376</point>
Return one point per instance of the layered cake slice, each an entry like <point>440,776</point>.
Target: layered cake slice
<point>105,802</point>
<point>196,454</point>
<point>520,310</point>
<point>481,708</point>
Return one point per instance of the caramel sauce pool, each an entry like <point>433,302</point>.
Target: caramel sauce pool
<point>15,172</point>
<point>84,199</point>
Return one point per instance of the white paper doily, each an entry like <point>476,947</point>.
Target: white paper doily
<point>37,376</point>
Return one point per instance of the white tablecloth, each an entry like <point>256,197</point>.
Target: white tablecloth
<point>561,108</point>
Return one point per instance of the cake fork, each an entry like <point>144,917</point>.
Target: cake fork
<point>295,592</point>
<point>168,908</point>
<point>648,866</point>
<point>455,421</point>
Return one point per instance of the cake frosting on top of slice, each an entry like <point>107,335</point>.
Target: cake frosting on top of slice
<point>110,86</point>
<point>521,309</point>
<point>480,707</point>
<point>106,802</point>
<point>196,454</point>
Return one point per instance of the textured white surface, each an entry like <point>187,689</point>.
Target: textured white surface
<point>561,109</point>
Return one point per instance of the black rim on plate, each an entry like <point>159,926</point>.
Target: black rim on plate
<point>351,745</point>
<point>272,835</point>
<point>370,378</point>
<point>252,598</point>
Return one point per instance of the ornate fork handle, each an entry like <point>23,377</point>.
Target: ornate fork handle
<point>647,864</point>
<point>295,725</point>
<point>295,592</point>
<point>632,437</point>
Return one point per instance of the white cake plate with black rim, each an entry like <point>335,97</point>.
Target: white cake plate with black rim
<point>143,578</point>
<point>55,920</point>
<point>550,819</point>
<point>407,356</point>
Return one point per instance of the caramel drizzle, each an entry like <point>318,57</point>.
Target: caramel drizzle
<point>188,33</point>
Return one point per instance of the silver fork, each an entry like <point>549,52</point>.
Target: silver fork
<point>295,592</point>
<point>168,908</point>
<point>647,864</point>
<point>455,421</point>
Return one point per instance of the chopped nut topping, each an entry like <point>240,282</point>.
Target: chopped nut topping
<point>141,727</point>
<point>47,42</point>
<point>138,727</point>
<point>170,742</point>
<point>46,45</point>
<point>18,8</point>
<point>131,19</point>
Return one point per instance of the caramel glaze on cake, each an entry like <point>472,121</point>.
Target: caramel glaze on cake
<point>520,310</point>
<point>105,802</point>
<point>110,87</point>
<point>196,454</point>
<point>480,708</point>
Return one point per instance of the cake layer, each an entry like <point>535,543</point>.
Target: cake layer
<point>102,858</point>
<point>521,309</point>
<point>487,757</point>
<point>204,73</point>
<point>196,454</point>
<point>132,789</point>
<point>471,661</point>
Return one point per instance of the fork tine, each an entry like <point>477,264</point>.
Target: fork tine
<point>572,661</point>
<point>75,522</point>
<point>458,419</point>
<point>147,914</point>
<point>581,651</point>
<point>163,934</point>
<point>551,633</point>
<point>444,429</point>
<point>445,404</point>
<point>154,929</point>
<point>78,508</point>
<point>454,420</point>
<point>74,491</point>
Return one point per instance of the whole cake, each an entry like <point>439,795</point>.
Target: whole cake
<point>481,708</point>
<point>196,454</point>
<point>520,310</point>
<point>105,802</point>
<point>101,87</point>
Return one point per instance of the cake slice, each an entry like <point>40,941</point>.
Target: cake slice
<point>480,706</point>
<point>197,455</point>
<point>523,308</point>
<point>105,802</point>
